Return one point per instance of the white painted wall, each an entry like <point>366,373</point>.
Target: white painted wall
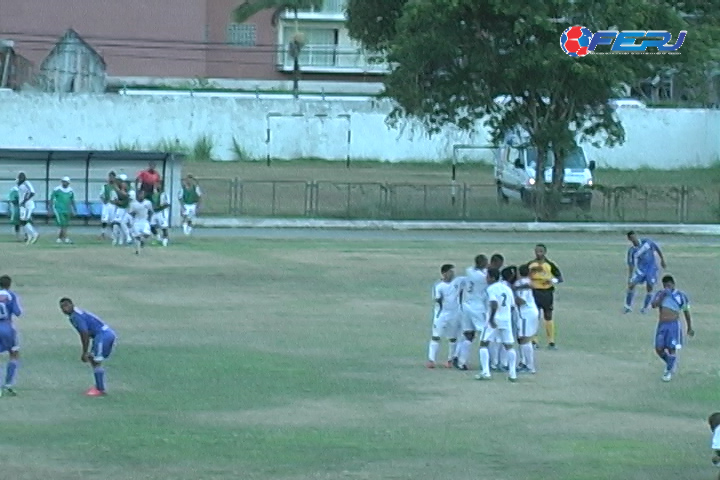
<point>660,138</point>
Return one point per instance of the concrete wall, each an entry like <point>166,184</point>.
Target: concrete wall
<point>661,138</point>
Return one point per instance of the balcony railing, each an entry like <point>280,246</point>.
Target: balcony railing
<point>333,59</point>
<point>330,10</point>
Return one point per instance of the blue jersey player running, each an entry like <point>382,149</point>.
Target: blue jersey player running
<point>9,307</point>
<point>90,327</point>
<point>642,268</point>
<point>668,335</point>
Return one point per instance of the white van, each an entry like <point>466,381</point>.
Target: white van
<point>515,163</point>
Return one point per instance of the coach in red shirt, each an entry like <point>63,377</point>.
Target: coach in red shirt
<point>147,179</point>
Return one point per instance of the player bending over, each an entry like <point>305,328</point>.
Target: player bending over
<point>446,318</point>
<point>668,335</point>
<point>499,325</point>
<point>190,196</point>
<point>141,211</point>
<point>160,203</point>
<point>9,307</point>
<point>474,311</point>
<point>26,193</point>
<point>107,216</point>
<point>90,327</point>
<point>642,268</point>
<point>527,319</point>
<point>62,201</point>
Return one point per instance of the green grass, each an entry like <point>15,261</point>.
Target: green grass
<point>297,359</point>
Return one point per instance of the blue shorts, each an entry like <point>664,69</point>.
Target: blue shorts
<point>8,337</point>
<point>102,345</point>
<point>668,335</point>
<point>648,278</point>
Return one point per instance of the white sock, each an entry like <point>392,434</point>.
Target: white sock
<point>115,232</point>
<point>494,352</point>
<point>432,350</point>
<point>528,353</point>
<point>485,361</point>
<point>29,229</point>
<point>502,356</point>
<point>125,232</point>
<point>512,362</point>
<point>464,351</point>
<point>452,350</point>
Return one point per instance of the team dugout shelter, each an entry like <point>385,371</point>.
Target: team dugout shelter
<point>88,171</point>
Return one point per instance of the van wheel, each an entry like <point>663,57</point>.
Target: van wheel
<point>527,198</point>
<point>501,196</point>
<point>585,205</point>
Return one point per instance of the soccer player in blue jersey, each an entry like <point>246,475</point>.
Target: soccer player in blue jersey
<point>668,335</point>
<point>642,268</point>
<point>90,327</point>
<point>9,307</point>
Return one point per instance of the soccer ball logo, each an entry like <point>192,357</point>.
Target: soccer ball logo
<point>575,41</point>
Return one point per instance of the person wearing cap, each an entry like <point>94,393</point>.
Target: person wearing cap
<point>62,201</point>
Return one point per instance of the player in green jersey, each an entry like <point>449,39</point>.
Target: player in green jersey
<point>14,210</point>
<point>62,200</point>
<point>190,196</point>
<point>108,209</point>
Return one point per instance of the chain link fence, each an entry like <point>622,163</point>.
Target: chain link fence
<point>472,202</point>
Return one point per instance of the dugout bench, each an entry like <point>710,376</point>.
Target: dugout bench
<point>86,211</point>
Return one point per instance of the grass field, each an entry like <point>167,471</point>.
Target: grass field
<point>302,359</point>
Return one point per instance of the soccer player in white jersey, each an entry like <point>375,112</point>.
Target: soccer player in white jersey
<point>474,308</point>
<point>107,216</point>
<point>527,319</point>
<point>499,325</point>
<point>26,193</point>
<point>160,202</point>
<point>141,211</point>
<point>496,357</point>
<point>446,318</point>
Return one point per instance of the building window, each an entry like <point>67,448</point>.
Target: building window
<point>321,47</point>
<point>242,34</point>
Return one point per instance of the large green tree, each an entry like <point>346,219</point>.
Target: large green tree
<point>453,58</point>
<point>295,45</point>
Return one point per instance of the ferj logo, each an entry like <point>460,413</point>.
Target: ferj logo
<point>579,41</point>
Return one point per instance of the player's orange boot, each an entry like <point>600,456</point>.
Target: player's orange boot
<point>94,392</point>
<point>430,364</point>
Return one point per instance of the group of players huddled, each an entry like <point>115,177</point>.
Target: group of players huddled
<point>498,304</point>
<point>131,213</point>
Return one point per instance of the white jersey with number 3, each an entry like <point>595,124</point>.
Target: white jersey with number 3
<point>503,295</point>
<point>474,289</point>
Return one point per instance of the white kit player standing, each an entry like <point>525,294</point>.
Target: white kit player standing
<point>474,307</point>
<point>140,210</point>
<point>528,316</point>
<point>447,312</point>
<point>501,301</point>
<point>26,193</point>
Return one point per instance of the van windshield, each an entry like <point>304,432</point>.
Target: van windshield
<point>575,158</point>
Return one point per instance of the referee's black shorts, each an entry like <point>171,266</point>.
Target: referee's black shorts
<point>544,299</point>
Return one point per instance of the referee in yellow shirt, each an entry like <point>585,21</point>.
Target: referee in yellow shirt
<point>544,275</point>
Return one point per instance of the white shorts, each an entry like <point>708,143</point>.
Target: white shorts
<point>121,215</point>
<point>108,213</point>
<point>189,211</point>
<point>527,322</point>
<point>499,335</point>
<point>160,219</point>
<point>27,211</point>
<point>474,318</point>
<point>446,325</point>
<point>141,227</point>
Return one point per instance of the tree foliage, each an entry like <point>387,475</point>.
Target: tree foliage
<point>453,58</point>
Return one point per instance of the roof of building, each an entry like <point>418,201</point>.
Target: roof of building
<point>96,155</point>
<point>71,34</point>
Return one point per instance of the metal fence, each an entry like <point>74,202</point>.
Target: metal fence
<point>233,197</point>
